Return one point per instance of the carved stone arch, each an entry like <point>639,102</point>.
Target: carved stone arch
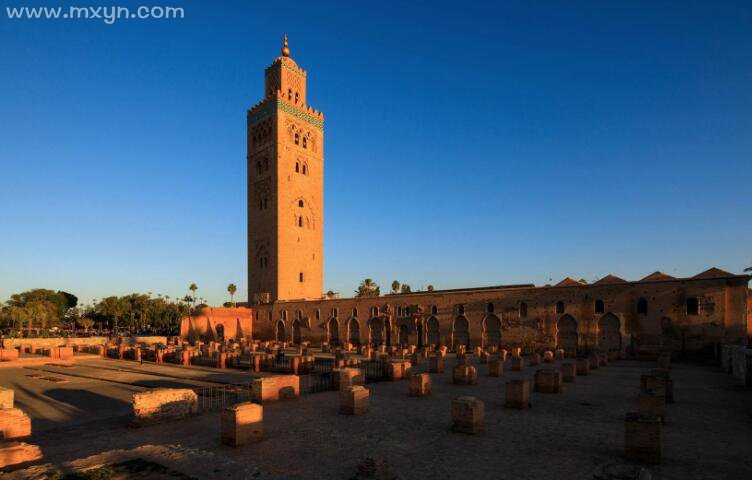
<point>609,334</point>
<point>280,333</point>
<point>491,330</point>
<point>460,332</point>
<point>567,334</point>
<point>353,331</point>
<point>376,331</point>
<point>332,331</point>
<point>433,331</point>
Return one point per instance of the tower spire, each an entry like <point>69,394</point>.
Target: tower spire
<point>285,49</point>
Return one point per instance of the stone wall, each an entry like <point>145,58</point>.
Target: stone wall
<point>604,315</point>
<point>163,404</point>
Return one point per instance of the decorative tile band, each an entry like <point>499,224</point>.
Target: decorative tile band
<point>289,109</point>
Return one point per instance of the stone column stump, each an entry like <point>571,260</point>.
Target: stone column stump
<point>548,356</point>
<point>353,400</point>
<point>495,367</point>
<point>568,372</point>
<point>518,363</point>
<point>559,354</point>
<point>653,402</point>
<point>436,364</point>
<point>535,359</point>
<point>517,394</point>
<point>468,415</point>
<point>548,380</point>
<point>242,424</point>
<point>420,385</point>
<point>593,362</point>
<point>464,375</point>
<point>642,438</point>
<point>583,366</point>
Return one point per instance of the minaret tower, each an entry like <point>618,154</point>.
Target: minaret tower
<point>285,188</point>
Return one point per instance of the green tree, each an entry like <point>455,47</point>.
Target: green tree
<point>395,287</point>
<point>430,288</point>
<point>368,288</point>
<point>231,288</point>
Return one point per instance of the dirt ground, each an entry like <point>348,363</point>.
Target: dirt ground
<point>563,436</point>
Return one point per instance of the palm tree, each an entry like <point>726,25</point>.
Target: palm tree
<point>231,288</point>
<point>368,288</point>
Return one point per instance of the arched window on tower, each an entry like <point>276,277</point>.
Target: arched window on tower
<point>300,221</point>
<point>305,142</point>
<point>300,277</point>
<point>289,93</point>
<point>297,139</point>
<point>300,203</point>
<point>297,97</point>
<point>297,167</point>
<point>305,169</point>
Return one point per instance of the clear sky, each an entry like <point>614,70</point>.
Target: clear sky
<point>467,143</point>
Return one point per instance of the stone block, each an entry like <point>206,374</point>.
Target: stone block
<point>353,400</point>
<point>276,387</point>
<point>8,354</point>
<point>568,372</point>
<point>583,366</point>
<point>6,397</point>
<point>468,415</point>
<point>518,363</point>
<point>653,402</point>
<point>642,438</point>
<point>535,359</point>
<point>664,360</point>
<point>398,369</point>
<point>741,366</point>
<point>347,377</point>
<point>495,367</point>
<point>592,362</point>
<point>16,453</point>
<point>483,357</point>
<point>242,424</point>
<point>14,423</point>
<point>517,394</point>
<point>727,356</point>
<point>436,364</point>
<point>464,375</point>
<point>559,354</point>
<point>462,359</point>
<point>163,404</point>
<point>548,380</point>
<point>668,383</point>
<point>420,385</point>
<point>548,356</point>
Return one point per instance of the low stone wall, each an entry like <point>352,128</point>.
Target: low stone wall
<point>14,423</point>
<point>278,387</point>
<point>57,342</point>
<point>163,404</point>
<point>14,453</point>
<point>6,398</point>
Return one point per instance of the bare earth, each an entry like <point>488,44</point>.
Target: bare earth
<point>563,436</point>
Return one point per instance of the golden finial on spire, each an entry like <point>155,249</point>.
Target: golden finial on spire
<point>285,49</point>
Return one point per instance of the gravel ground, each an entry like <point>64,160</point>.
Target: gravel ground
<point>563,436</point>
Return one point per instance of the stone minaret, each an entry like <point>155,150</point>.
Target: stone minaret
<point>285,188</point>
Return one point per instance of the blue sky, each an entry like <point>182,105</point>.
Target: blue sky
<point>467,144</point>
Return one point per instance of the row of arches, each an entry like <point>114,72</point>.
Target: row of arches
<point>379,332</point>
